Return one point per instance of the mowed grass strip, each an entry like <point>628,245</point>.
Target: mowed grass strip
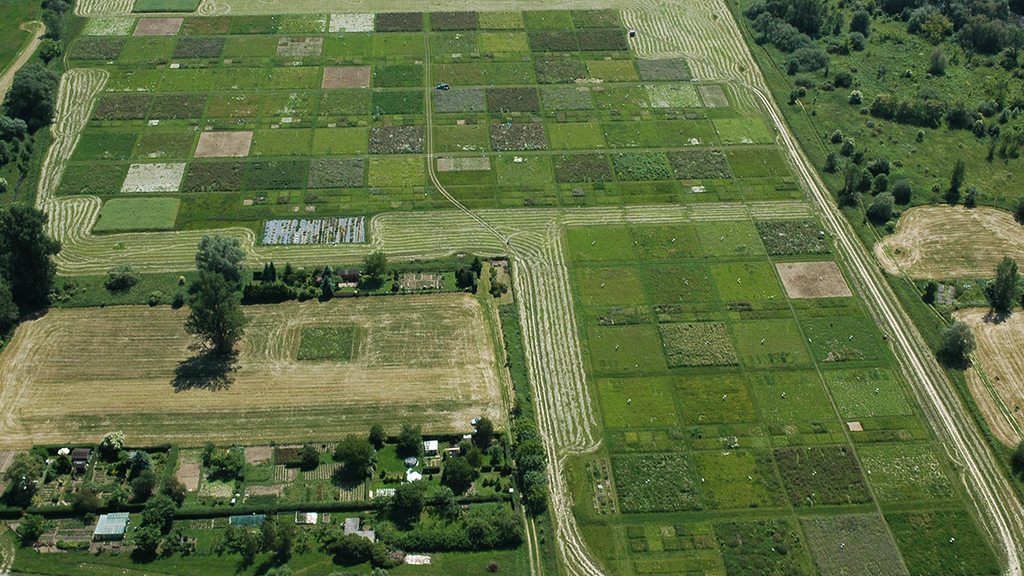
<point>327,343</point>
<point>637,403</point>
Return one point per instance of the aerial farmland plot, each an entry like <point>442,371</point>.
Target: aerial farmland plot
<point>691,335</point>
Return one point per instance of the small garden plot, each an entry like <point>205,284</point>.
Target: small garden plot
<point>392,45</point>
<point>867,393</point>
<point>198,47</point>
<point>730,239</point>
<point>303,23</point>
<point>104,146</point>
<point>941,542</point>
<point>714,399</point>
<point>157,26</point>
<point>399,22</point>
<point>214,176</point>
<point>603,40</point>
<point>905,471</point>
<point>327,343</point>
<point>398,76</point>
<point>553,41</point>
<point>165,5</point>
<point>640,166</point>
<point>613,70</point>
<point>86,179</point>
<point>503,42</point>
<point>609,286</point>
<point>790,396</point>
<point>637,403</point>
<point>345,77</point>
<point>679,133</point>
<point>666,242</point>
<point>762,547</point>
<point>397,171</point>
<point>396,139</point>
<point>275,174</point>
<point>351,23</point>
<point>206,26</point>
<point>789,237</point>
<point>582,168</point>
<point>339,141</point>
<point>663,69</point>
<point>458,74</point>
<point>294,78</point>
<point>733,479</point>
<point>854,545</point>
<point>742,131</point>
<point>770,343</point>
<point>670,284</point>
<point>229,105</point>
<point>559,71</point>
<point>632,135</point>
<point>482,164</point>
<point>745,281</point>
<point>290,47</point>
<point>646,440</point>
<point>813,280</point>
<point>713,96</point>
<point>397,102</point>
<point>155,145</point>
<point>289,104</point>
<point>467,138</point>
<point>147,49</point>
<point>224,144</point>
<point>460,100</point>
<point>249,47</point>
<point>699,165</point>
<point>336,173</point>
<point>630,349</point>
<point>112,26</point>
<point>558,98</point>
<point>454,44</point>
<point>599,244</point>
<point>344,103</point>
<point>137,214</point>
<point>317,231</point>
<point>596,18</point>
<point>501,20</point>
<point>265,25</point>
<point>153,177</point>
<point>655,482</point>
<point>842,339</point>
<point>290,142</point>
<point>697,344</point>
<point>453,21</point>
<point>576,136</point>
<point>513,100</point>
<point>96,49</point>
<point>518,137</point>
<point>821,475</point>
<point>673,96</point>
<point>178,106</point>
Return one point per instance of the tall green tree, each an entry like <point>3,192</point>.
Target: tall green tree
<point>956,180</point>
<point>1005,288</point>
<point>216,316</point>
<point>26,255</point>
<point>33,95</point>
<point>356,455</point>
<point>223,255</point>
<point>957,342</point>
<point>376,264</point>
<point>410,442</point>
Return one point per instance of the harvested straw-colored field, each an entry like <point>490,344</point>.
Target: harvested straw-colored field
<point>1000,341</point>
<point>75,374</point>
<point>951,241</point>
<point>813,280</point>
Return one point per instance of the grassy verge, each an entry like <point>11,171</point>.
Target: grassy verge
<point>89,291</point>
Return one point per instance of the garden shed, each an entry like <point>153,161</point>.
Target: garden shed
<point>80,458</point>
<point>347,274</point>
<point>111,526</point>
<point>430,447</point>
<point>247,520</point>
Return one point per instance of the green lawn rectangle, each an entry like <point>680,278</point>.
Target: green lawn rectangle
<point>670,242</point>
<point>675,283</point>
<point>637,403</point>
<point>764,343</point>
<point>327,343</point>
<point>339,141</point>
<point>867,392</point>
<point>576,136</point>
<point>165,5</point>
<point>730,239</point>
<point>734,478</point>
<point>532,172</point>
<point>632,349</point>
<point>612,70</point>
<point>742,131</point>
<point>599,243</point>
<point>843,339</point>
<point>714,399</point>
<point>503,42</point>
<point>395,171</point>
<point>289,142</point>
<point>791,396</point>
<point>697,344</point>
<point>610,286</point>
<point>124,214</point>
<point>942,542</point>
<point>905,471</point>
<point>466,138</point>
<point>745,281</point>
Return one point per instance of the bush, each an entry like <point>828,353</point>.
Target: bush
<point>861,22</point>
<point>957,343</point>
<point>856,98</point>
<point>901,191</point>
<point>881,209</point>
<point>121,278</point>
<point>843,80</point>
<point>33,95</point>
<point>937,62</point>
<point>857,41</point>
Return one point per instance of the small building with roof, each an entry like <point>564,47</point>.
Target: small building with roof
<point>111,526</point>
<point>352,527</point>
<point>247,520</point>
<point>80,459</point>
<point>430,448</point>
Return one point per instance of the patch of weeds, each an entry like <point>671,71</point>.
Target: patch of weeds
<point>664,69</point>
<point>699,165</point>
<point>122,107</point>
<point>97,49</point>
<point>214,176</point>
<point>698,344</point>
<point>327,343</point>
<point>518,137</point>
<point>513,100</point>
<point>553,41</point>
<point>821,475</point>
<point>177,106</point>
<point>399,22</point>
<point>460,100</point>
<point>344,103</point>
<point>762,547</point>
<point>785,237</point>
<point>453,21</point>
<point>604,40</point>
<point>199,47</point>
<point>398,76</point>
<point>86,179</point>
<point>655,482</point>
<point>582,168</point>
<point>608,18</point>
<point>336,173</point>
<point>638,166</point>
<point>557,98</point>
<point>275,174</point>
<point>559,71</point>
<point>396,139</point>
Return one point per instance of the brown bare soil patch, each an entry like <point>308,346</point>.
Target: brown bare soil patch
<point>258,454</point>
<point>425,359</point>
<point>346,77</point>
<point>188,474</point>
<point>1000,341</point>
<point>289,47</point>
<point>158,26</point>
<point>813,280</point>
<point>224,144</point>
<point>275,490</point>
<point>951,241</point>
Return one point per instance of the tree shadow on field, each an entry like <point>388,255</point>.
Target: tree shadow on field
<point>205,370</point>
<point>997,316</point>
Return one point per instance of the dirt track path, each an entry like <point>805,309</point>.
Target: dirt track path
<point>23,55</point>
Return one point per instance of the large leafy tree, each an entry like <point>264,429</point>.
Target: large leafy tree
<point>957,343</point>
<point>216,316</point>
<point>26,255</point>
<point>356,455</point>
<point>33,95</point>
<point>223,255</point>
<point>1005,288</point>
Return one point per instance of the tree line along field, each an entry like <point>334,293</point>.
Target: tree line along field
<point>305,371</point>
<point>747,430</point>
<point>246,118</point>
